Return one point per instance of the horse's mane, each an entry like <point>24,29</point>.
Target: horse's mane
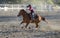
<point>23,10</point>
<point>25,13</point>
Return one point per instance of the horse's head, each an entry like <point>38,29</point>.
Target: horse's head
<point>21,12</point>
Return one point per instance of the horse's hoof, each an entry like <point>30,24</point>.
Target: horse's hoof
<point>22,27</point>
<point>36,29</point>
<point>6,37</point>
<point>29,28</point>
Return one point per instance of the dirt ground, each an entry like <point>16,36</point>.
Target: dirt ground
<point>10,26</point>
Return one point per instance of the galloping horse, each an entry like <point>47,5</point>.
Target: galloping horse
<point>27,19</point>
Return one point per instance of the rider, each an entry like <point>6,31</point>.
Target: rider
<point>30,8</point>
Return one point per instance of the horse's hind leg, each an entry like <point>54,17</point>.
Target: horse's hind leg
<point>36,28</point>
<point>36,25</point>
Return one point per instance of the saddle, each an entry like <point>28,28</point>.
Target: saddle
<point>30,16</point>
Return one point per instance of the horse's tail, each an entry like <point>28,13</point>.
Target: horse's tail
<point>43,18</point>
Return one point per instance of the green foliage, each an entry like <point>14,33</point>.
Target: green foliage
<point>58,3</point>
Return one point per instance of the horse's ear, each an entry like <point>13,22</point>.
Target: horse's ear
<point>22,10</point>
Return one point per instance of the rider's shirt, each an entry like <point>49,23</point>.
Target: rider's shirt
<point>31,9</point>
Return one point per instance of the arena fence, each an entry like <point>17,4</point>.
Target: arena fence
<point>12,7</point>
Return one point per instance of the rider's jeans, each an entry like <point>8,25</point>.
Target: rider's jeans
<point>33,16</point>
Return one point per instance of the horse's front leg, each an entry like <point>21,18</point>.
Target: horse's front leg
<point>27,25</point>
<point>21,22</point>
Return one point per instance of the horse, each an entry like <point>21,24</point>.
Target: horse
<point>27,19</point>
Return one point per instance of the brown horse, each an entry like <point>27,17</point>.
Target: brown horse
<point>27,19</point>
